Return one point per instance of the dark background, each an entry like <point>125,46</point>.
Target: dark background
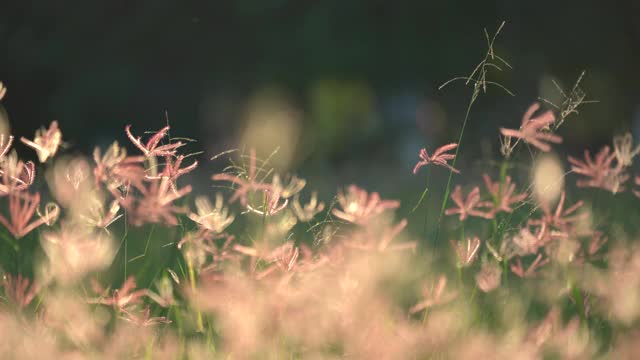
<point>359,78</point>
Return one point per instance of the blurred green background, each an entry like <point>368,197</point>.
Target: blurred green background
<point>346,89</point>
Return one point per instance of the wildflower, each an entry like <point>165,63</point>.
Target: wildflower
<point>74,251</point>
<point>283,257</point>
<point>388,235</point>
<point>531,129</point>
<point>245,186</point>
<point>307,212</point>
<point>173,169</point>
<point>120,298</point>
<point>294,186</point>
<point>22,207</point>
<point>439,158</point>
<point>164,297</point>
<point>528,242</point>
<point>599,171</point>
<point>155,204</point>
<point>214,218</point>
<point>503,194</point>
<point>151,148</point>
<point>95,214</point>
<point>466,251</point>
<point>16,174</point>
<point>46,141</point>
<point>359,207</point>
<point>17,289</point>
<point>145,320</point>
<point>530,272</point>
<point>488,278</point>
<point>561,218</point>
<point>624,150</point>
<point>271,204</point>
<point>468,207</point>
<point>434,296</point>
<point>115,169</point>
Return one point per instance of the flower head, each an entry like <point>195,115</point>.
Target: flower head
<point>144,320</point>
<point>308,211</point>
<point>46,141</point>
<point>213,218</point>
<point>624,150</point>
<point>245,185</point>
<point>17,289</point>
<point>439,157</point>
<point>359,207</point>
<point>531,270</point>
<point>16,174</point>
<point>531,129</point>
<point>466,251</point>
<point>152,147</point>
<point>120,298</point>
<point>488,278</point>
<point>150,199</point>
<point>22,208</point>
<point>74,251</point>
<point>503,194</point>
<point>561,218</point>
<point>529,242</point>
<point>469,206</point>
<point>434,295</point>
<point>599,172</point>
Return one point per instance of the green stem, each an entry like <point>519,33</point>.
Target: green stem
<point>192,280</point>
<point>426,205</point>
<point>445,199</point>
<point>577,297</point>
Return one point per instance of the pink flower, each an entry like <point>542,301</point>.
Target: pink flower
<point>531,271</point>
<point>16,174</point>
<point>154,203</point>
<point>531,129</point>
<point>245,187</point>
<point>599,171</point>
<point>371,243</point>
<point>359,207</point>
<point>468,207</point>
<point>434,296</point>
<point>637,192</point>
<point>144,320</point>
<point>18,291</point>
<point>529,242</point>
<point>439,158</point>
<point>46,141</point>
<point>466,251</point>
<point>151,148</point>
<point>114,168</point>
<point>22,207</point>
<point>488,278</point>
<point>503,194</point>
<point>560,218</point>
<point>120,298</point>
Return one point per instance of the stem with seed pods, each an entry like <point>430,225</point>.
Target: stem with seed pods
<point>479,79</point>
